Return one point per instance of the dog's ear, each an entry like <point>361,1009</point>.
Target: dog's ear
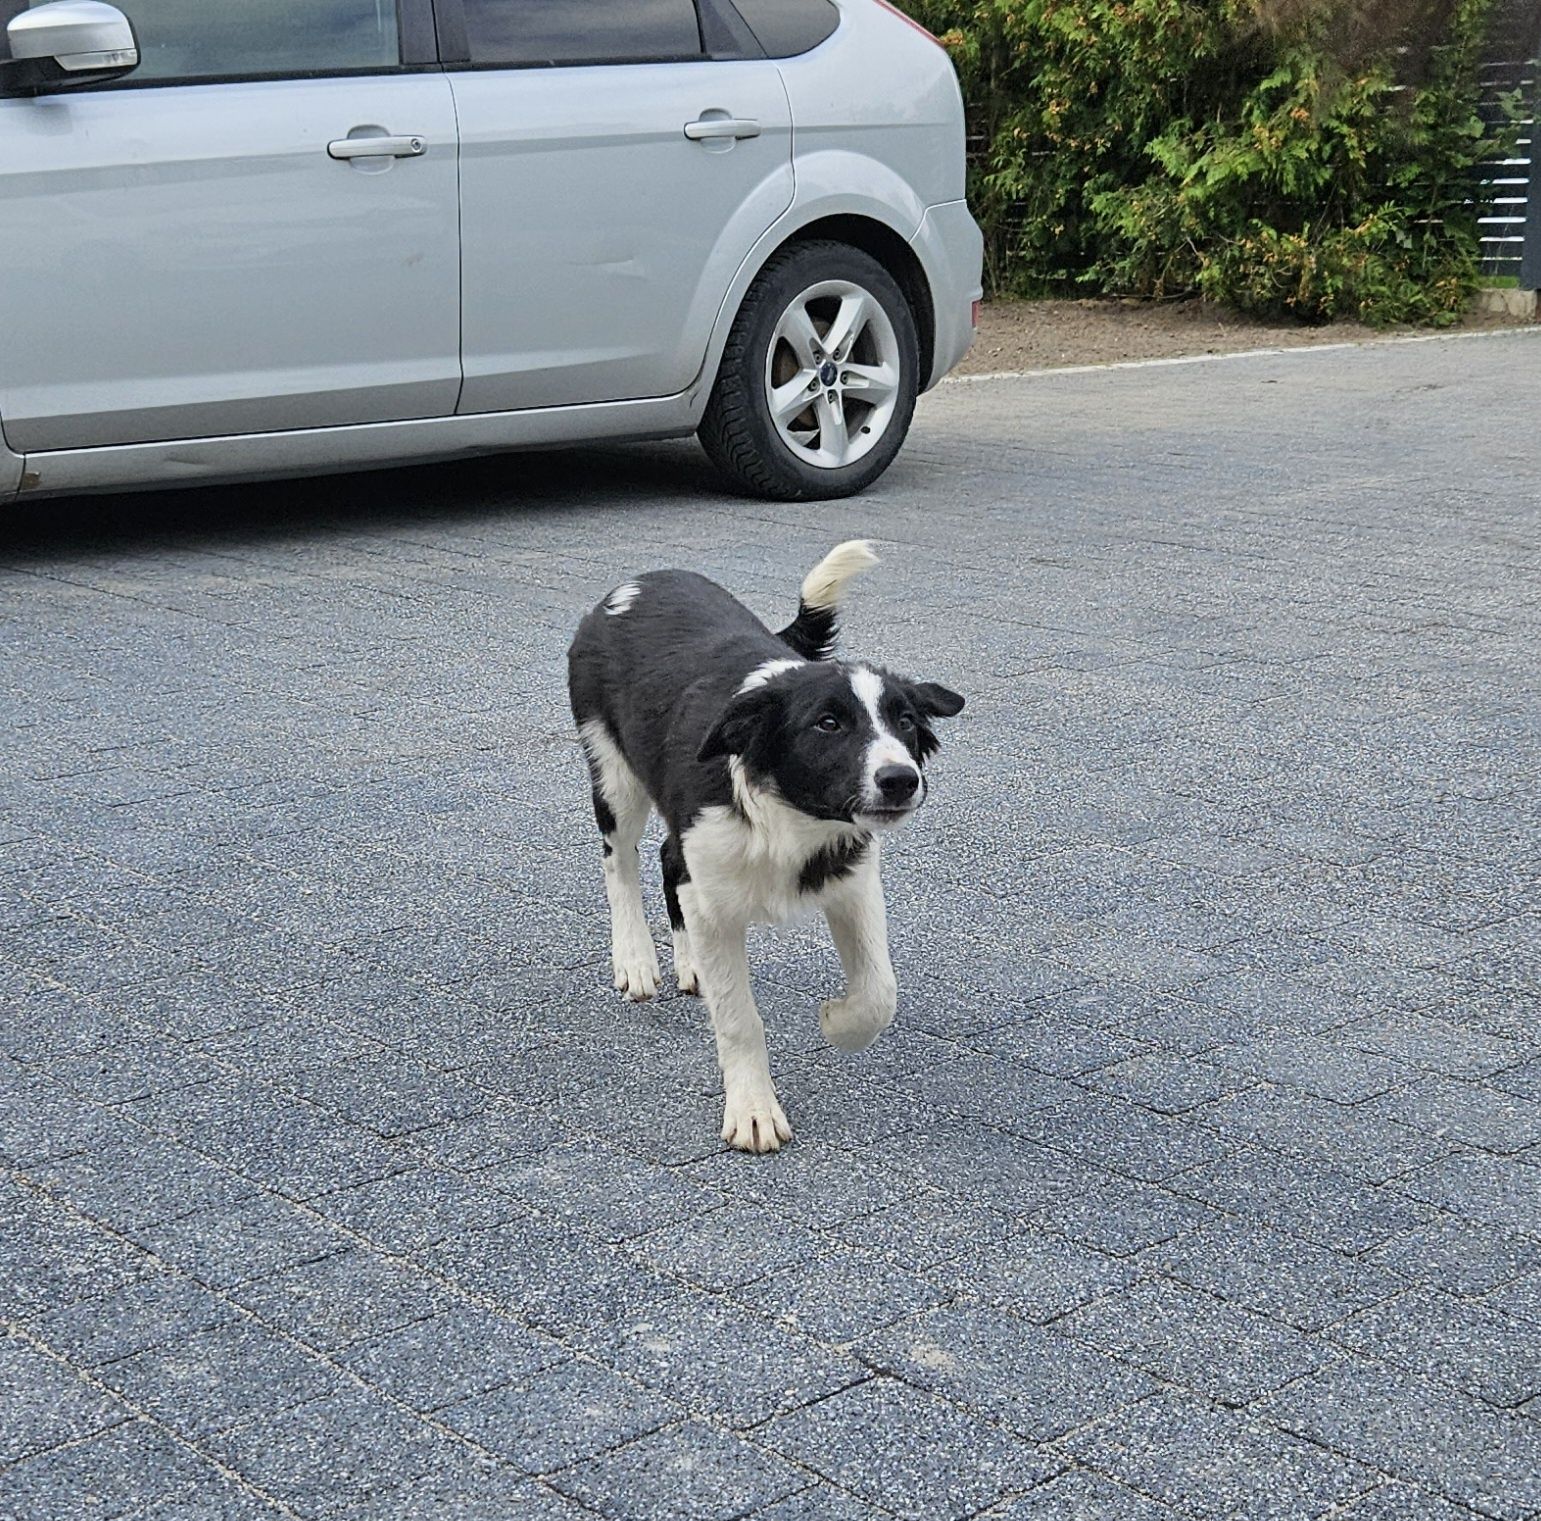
<point>735,730</point>
<point>935,701</point>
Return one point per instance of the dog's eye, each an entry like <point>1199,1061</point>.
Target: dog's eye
<point>906,722</point>
<point>829,724</point>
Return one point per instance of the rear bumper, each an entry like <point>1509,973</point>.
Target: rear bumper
<point>950,248</point>
<point>10,470</point>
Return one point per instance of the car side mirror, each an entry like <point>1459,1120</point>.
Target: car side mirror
<point>68,43</point>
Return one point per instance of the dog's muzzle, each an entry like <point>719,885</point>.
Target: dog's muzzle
<point>897,791</point>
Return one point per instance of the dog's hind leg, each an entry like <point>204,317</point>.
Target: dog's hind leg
<point>674,876</point>
<point>621,808</point>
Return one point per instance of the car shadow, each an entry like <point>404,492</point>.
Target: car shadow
<point>446,493</point>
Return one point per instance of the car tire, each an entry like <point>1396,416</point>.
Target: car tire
<point>859,390</point>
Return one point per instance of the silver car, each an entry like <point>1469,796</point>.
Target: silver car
<point>262,237</point>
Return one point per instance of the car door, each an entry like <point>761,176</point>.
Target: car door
<point>614,173</point>
<point>254,230</point>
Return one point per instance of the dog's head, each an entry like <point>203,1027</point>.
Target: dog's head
<point>836,740</point>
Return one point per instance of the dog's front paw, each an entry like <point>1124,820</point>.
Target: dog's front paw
<point>854,1023</point>
<point>752,1119</point>
<point>636,971</point>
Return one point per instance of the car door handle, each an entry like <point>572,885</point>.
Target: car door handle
<point>706,128</point>
<point>377,147</point>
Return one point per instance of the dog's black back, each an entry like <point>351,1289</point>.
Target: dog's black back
<point>659,674</point>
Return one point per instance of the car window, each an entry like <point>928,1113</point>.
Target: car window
<point>204,39</point>
<point>788,27</point>
<point>525,32</point>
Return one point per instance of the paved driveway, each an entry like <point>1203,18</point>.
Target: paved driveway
<point>1200,1176</point>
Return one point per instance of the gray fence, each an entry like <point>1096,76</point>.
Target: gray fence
<point>1510,223</point>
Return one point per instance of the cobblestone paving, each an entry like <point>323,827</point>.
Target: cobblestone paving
<point>1201,1175</point>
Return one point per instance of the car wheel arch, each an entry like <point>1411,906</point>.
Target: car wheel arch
<point>867,229</point>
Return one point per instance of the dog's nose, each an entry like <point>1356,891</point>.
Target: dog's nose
<point>897,783</point>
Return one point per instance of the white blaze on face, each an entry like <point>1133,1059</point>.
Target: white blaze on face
<point>885,748</point>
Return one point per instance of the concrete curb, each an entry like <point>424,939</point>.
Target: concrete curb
<point>1265,353</point>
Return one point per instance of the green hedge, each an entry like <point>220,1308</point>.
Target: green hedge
<point>1291,162</point>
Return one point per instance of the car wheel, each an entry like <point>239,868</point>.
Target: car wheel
<point>818,381</point>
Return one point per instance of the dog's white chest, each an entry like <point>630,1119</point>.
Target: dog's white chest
<point>751,868</point>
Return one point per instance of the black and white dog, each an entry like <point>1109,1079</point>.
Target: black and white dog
<point>777,770</point>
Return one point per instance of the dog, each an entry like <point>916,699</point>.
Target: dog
<point>778,771</point>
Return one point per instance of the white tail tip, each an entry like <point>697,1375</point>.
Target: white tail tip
<point>823,584</point>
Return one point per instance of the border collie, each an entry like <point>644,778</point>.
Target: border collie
<point>777,770</point>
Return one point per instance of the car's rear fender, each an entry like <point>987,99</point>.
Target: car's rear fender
<point>940,280</point>
<point>905,158</point>
<point>901,218</point>
<point>883,90</point>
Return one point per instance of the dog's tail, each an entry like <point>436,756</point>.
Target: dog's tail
<point>812,633</point>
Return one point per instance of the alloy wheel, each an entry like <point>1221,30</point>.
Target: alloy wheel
<point>832,374</point>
